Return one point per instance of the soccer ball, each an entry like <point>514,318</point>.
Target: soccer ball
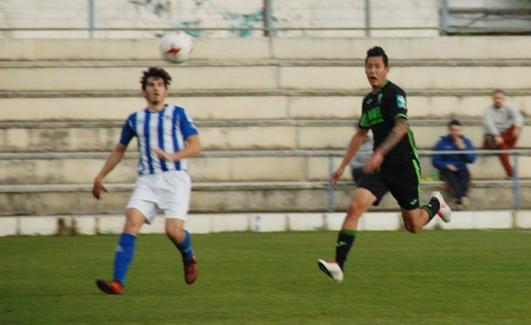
<point>176,46</point>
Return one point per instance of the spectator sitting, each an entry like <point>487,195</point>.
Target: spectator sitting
<point>453,167</point>
<point>363,154</point>
<point>502,126</point>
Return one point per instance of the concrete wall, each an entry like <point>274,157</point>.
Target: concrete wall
<point>234,17</point>
<point>257,222</point>
<point>247,94</point>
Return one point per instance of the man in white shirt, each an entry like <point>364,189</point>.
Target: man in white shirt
<point>502,126</point>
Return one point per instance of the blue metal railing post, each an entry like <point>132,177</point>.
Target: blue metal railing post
<point>444,17</point>
<point>516,182</point>
<point>91,18</point>
<point>330,187</point>
<point>367,18</point>
<point>269,29</point>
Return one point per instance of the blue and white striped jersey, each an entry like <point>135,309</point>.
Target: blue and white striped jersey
<point>167,129</point>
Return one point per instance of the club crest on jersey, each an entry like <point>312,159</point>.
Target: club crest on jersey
<point>401,101</point>
<point>375,116</point>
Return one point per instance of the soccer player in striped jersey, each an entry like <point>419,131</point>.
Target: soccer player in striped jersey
<point>166,137</point>
<point>393,166</point>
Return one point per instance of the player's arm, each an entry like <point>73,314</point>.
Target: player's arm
<point>397,133</point>
<point>396,104</point>
<point>192,148</point>
<point>394,137</point>
<point>357,139</point>
<point>114,158</point>
<point>128,132</point>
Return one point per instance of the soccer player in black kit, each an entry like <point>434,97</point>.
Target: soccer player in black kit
<point>393,166</point>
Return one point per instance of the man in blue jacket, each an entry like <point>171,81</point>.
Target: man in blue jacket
<point>453,167</point>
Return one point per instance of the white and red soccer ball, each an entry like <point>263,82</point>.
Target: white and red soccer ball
<point>176,46</point>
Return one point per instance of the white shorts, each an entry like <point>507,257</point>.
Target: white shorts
<point>169,191</point>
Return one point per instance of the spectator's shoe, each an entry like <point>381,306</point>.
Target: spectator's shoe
<point>444,211</point>
<point>331,269</point>
<point>465,201</point>
<point>190,270</point>
<point>110,287</point>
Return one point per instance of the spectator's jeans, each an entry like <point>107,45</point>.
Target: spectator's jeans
<point>458,181</point>
<point>508,143</point>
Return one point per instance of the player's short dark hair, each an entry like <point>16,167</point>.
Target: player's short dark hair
<point>454,122</point>
<point>498,91</point>
<point>157,73</point>
<point>377,51</point>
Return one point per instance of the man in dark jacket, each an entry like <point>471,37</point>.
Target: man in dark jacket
<point>453,167</point>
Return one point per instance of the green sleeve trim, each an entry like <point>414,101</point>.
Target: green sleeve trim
<point>417,168</point>
<point>412,144</point>
<point>364,123</point>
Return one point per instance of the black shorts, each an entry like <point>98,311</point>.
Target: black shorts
<point>357,174</point>
<point>401,179</point>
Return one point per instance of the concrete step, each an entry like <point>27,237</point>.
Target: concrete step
<point>230,197</point>
<point>263,77</point>
<point>244,166</point>
<point>475,48</point>
<point>257,105</point>
<point>279,134</point>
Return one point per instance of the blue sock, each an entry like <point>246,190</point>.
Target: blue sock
<point>186,246</point>
<point>123,257</point>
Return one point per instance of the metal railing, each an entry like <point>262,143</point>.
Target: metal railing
<point>515,180</point>
<point>473,18</point>
<point>330,155</point>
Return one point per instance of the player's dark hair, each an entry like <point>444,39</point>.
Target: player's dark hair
<point>454,122</point>
<point>157,73</point>
<point>377,51</point>
<point>498,91</point>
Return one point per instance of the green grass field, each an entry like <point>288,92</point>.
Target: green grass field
<point>437,277</point>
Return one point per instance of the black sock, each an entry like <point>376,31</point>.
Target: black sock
<point>432,208</point>
<point>345,239</point>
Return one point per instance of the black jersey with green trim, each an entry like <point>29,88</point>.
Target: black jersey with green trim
<point>379,112</point>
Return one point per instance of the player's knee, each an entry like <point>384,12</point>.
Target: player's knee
<point>355,210</point>
<point>132,227</point>
<point>133,223</point>
<point>175,233</point>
